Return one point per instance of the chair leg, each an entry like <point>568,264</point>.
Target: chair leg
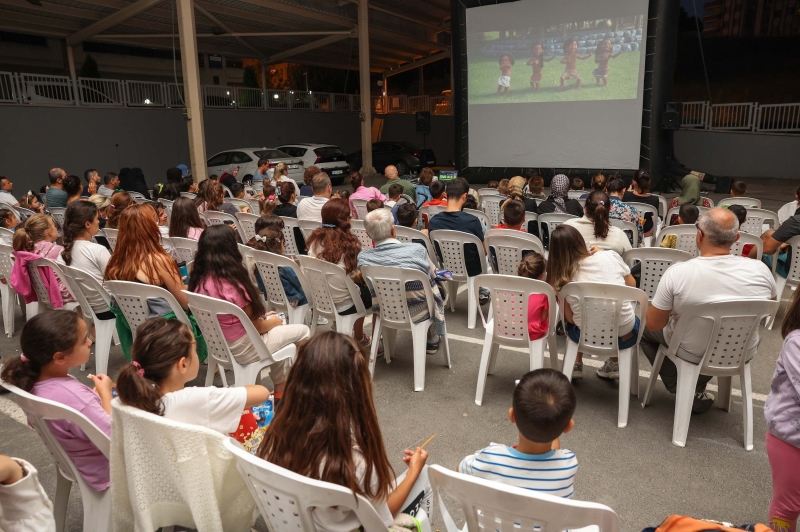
<point>103,335</point>
<point>537,354</point>
<point>781,285</point>
<point>625,378</point>
<point>570,356</point>
<point>212,368</point>
<point>684,396</point>
<point>296,315</point>
<point>452,288</point>
<point>493,358</point>
<point>472,306</point>
<point>314,317</point>
<point>9,296</point>
<point>446,347</point>
<point>389,340</point>
<point>552,349</point>
<point>32,309</point>
<point>747,408</point>
<point>419,338</point>
<point>724,395</point>
<point>373,349</point>
<point>63,487</point>
<point>483,371</point>
<point>651,384</point>
<point>634,371</point>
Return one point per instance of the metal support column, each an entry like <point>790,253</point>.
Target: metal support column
<point>363,69</point>
<point>264,83</point>
<point>192,89</point>
<point>72,74</point>
<point>421,82</point>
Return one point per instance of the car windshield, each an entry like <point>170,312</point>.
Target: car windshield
<point>271,154</point>
<point>328,151</point>
<point>411,146</point>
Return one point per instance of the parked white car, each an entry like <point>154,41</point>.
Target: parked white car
<point>328,157</point>
<point>247,161</point>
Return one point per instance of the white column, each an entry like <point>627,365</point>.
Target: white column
<point>363,69</point>
<point>192,89</point>
<point>72,74</point>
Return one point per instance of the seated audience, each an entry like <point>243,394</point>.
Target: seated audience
<point>595,226</point>
<point>8,221</point>
<point>93,182</point>
<point>738,189</point>
<point>110,184</point>
<point>343,194</point>
<point>597,183</point>
<point>687,215</point>
<point>374,204</point>
<point>187,184</point>
<point>185,221</point>
<point>73,187</point>
<point>362,192</point>
<point>533,266</point>
<point>38,236</point>
<point>690,193</point>
<point>391,175</point>
<point>228,177</point>
<point>513,216</point>
<point>492,184</point>
<point>741,215</point>
<point>218,272</point>
<point>570,260</point>
<point>715,275</point>
<point>261,175</point>
<point>454,219</point>
<point>422,188</point>
<point>132,179</point>
<point>334,243</point>
<point>622,211</point>
<point>344,430</point>
<point>164,361</point>
<point>52,343</point>
<point>395,192</point>
<point>774,240</point>
<point>7,192</point>
<point>438,194</point>
<point>119,202</point>
<point>56,197</point>
<point>503,188</point>
<point>214,199</point>
<point>311,208</point>
<point>281,175</point>
<point>576,184</point>
<point>558,201</point>
<point>81,223</point>
<point>24,502</point>
<point>286,196</point>
<point>308,175</point>
<point>639,192</point>
<point>32,202</point>
<point>272,240</point>
<point>161,217</point>
<point>542,409</point>
<point>103,204</point>
<point>536,187</point>
<point>408,216</point>
<point>175,175</point>
<point>237,189</point>
<point>269,200</point>
<point>516,190</point>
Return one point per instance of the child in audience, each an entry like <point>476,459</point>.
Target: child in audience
<point>537,61</point>
<point>81,223</point>
<point>408,216</point>
<point>542,409</point>
<point>576,184</point>
<point>687,215</point>
<point>375,204</point>
<point>536,187</point>
<point>502,188</point>
<point>741,214</point>
<point>119,202</point>
<point>343,194</point>
<point>570,63</point>
<point>513,215</point>
<point>286,196</point>
<point>8,220</point>
<point>438,196</point>
<point>52,343</point>
<point>161,214</point>
<point>269,199</point>
<point>164,360</point>
<point>237,189</point>
<point>395,191</point>
<point>24,505</point>
<point>602,54</point>
<point>31,202</point>
<point>185,222</point>
<point>331,371</point>
<point>272,240</point>
<point>533,266</point>
<point>39,235</point>
<point>503,84</point>
<point>492,184</point>
<point>738,189</point>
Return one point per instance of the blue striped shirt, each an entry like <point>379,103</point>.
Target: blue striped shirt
<point>552,473</point>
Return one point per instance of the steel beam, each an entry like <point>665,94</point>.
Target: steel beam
<point>131,10</point>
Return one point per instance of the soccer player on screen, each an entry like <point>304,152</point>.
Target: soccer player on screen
<point>537,61</point>
<point>570,59</point>
<point>601,56</point>
<point>506,60</point>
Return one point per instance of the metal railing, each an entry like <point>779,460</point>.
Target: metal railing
<point>417,104</point>
<point>693,114</point>
<point>39,89</point>
<point>144,94</point>
<point>101,92</point>
<point>8,88</point>
<point>778,117</point>
<point>397,104</point>
<point>748,116</point>
<point>731,116</point>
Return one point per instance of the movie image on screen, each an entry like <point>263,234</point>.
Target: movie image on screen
<point>595,59</point>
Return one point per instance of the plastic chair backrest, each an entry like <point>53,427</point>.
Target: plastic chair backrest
<point>308,226</point>
<point>489,505</point>
<point>756,218</point>
<point>674,212</point>
<point>644,208</point>
<point>389,285</point>
<point>793,277</point>
<point>450,246</point>
<point>629,228</point>
<point>747,203</point>
<point>318,272</point>
<point>286,499</point>
<point>663,206</point>
<point>111,236</point>
<point>576,194</point>
<point>406,234</point>
<point>184,248</point>
<point>360,206</point>
<point>487,192</point>
<point>141,201</point>
<point>255,206</point>
<point>655,262</point>
<point>131,298</point>
<point>58,215</point>
<point>509,246</point>
<point>189,195</point>
<point>480,215</point>
<point>6,235</point>
<point>600,310</point>
<point>227,192</point>
<point>240,204</point>
<point>219,218</point>
<point>745,239</point>
<point>732,325</point>
<point>6,261</point>
<point>686,238</point>
<point>38,284</point>
<point>547,224</point>
<point>86,287</point>
<point>427,212</point>
<point>358,228</point>
<point>247,225</point>
<point>491,206</point>
<point>14,210</point>
<point>267,264</point>
<point>531,223</point>
<point>135,195</point>
<point>290,244</point>
<point>27,213</point>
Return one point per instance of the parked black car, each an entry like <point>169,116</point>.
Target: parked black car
<point>407,157</point>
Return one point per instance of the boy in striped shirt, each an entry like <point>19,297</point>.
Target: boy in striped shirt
<point>542,410</point>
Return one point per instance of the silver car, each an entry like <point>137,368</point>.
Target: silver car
<point>247,161</point>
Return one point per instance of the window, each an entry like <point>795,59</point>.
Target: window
<point>380,147</point>
<point>328,151</point>
<point>293,151</point>
<point>219,159</point>
<point>271,154</point>
<point>239,157</point>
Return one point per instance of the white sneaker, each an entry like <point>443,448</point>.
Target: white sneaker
<point>322,320</point>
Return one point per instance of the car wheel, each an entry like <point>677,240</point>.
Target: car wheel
<point>402,167</point>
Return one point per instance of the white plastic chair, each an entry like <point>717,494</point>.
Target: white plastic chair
<point>286,499</point>
<point>429,211</point>
<point>240,204</point>
<point>674,212</point>
<point>451,248</point>
<point>206,311</point>
<point>508,323</point>
<point>730,325</point>
<point>745,239</point>
<point>131,298</point>
<point>548,223</point>
<point>255,206</point>
<point>600,305</point>
<point>358,228</point>
<point>686,238</point>
<point>629,228</point>
<point>42,295</point>
<point>246,223</point>
<point>493,506</point>
<point>57,214</point>
<point>8,294</point>
<point>111,236</point>
<point>406,234</point>
<point>27,213</point>
<point>167,207</point>
<point>184,248</point>
<point>96,504</point>
<point>663,207</point>
<point>219,218</point>
<point>507,247</point>
<point>227,192</point>
<point>360,205</point>
<point>267,264</point>
<point>655,262</point>
<point>319,275</point>
<point>491,206</point>
<point>483,192</point>
<point>389,285</point>
<point>308,226</point>
<point>135,195</point>
<point>747,203</point>
<point>189,195</point>
<point>88,288</point>
<point>531,223</point>
<point>290,245</point>
<point>6,236</point>
<point>576,194</point>
<point>480,215</point>
<point>793,280</point>
<point>141,201</point>
<point>643,209</point>
<point>757,219</point>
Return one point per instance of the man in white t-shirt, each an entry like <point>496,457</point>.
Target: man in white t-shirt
<point>715,275</point>
<point>311,208</point>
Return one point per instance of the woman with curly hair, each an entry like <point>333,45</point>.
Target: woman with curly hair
<point>310,172</point>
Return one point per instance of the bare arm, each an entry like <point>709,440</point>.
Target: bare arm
<point>172,282</point>
<point>256,394</point>
<point>770,244</point>
<point>657,319</point>
<point>262,325</point>
<point>415,461</point>
<point>630,281</point>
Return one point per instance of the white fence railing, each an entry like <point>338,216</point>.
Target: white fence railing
<point>778,117</point>
<point>8,88</point>
<point>144,94</point>
<point>101,92</point>
<point>749,116</point>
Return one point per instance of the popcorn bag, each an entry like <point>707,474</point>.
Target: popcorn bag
<point>253,425</point>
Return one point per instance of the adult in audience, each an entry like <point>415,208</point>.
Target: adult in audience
<point>389,251</point>
<point>228,177</point>
<point>791,208</point>
<point>438,194</point>
<point>621,210</point>
<point>214,199</point>
<point>558,201</point>
<point>7,192</point>
<point>119,202</point>
<point>218,272</point>
<point>103,204</point>
<point>188,185</point>
<point>690,193</point>
<point>281,175</point>
<point>136,182</point>
<point>110,184</point>
<point>287,196</point>
<point>362,192</point>
<point>391,174</point>
<point>595,226</point>
<point>639,192</point>
<point>597,183</point>
<point>81,223</point>
<point>73,187</point>
<point>32,202</point>
<point>774,240</point>
<point>308,175</point>
<point>422,189</point>
<point>260,175</point>
<point>93,182</point>
<point>454,219</point>
<point>516,190</point>
<point>56,197</point>
<point>185,221</point>
<point>175,175</point>
<point>375,204</point>
<point>687,215</point>
<point>311,208</point>
<point>715,275</point>
<point>536,187</point>
<point>334,243</point>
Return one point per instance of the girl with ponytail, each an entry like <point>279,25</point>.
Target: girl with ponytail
<point>81,223</point>
<point>595,227</point>
<point>39,235</point>
<point>52,343</point>
<point>165,359</point>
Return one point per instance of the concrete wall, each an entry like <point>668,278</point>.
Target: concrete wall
<point>440,139</point>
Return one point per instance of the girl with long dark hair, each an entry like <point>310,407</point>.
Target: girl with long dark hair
<point>595,225</point>
<point>81,223</point>
<point>185,221</point>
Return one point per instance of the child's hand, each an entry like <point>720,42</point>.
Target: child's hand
<point>102,384</point>
<point>10,470</point>
<point>415,460</point>
<point>594,249</point>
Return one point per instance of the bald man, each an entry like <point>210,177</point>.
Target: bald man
<point>391,174</point>
<point>714,276</point>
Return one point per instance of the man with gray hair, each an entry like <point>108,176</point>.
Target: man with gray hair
<point>389,251</point>
<point>714,276</point>
<point>56,197</point>
<point>311,208</point>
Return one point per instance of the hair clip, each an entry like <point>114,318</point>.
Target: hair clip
<point>272,197</point>
<point>329,226</point>
<point>140,370</point>
<point>260,238</point>
<point>23,357</point>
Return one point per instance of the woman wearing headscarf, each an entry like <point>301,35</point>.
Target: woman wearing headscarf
<point>228,177</point>
<point>137,182</point>
<point>558,201</point>
<point>690,193</point>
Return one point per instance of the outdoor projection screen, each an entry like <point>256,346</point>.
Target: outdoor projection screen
<point>556,83</point>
